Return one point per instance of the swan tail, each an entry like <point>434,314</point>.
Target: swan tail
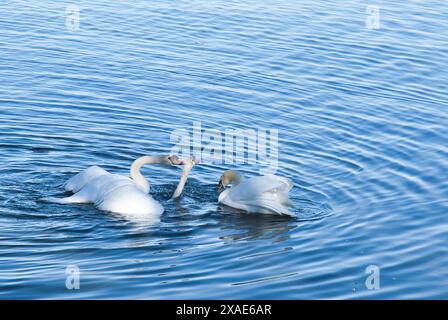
<point>72,199</point>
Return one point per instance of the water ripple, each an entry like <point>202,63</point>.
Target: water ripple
<point>362,123</point>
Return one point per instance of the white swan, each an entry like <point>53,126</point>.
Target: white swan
<point>263,194</point>
<point>120,194</point>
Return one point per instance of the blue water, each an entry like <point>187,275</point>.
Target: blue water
<point>362,123</point>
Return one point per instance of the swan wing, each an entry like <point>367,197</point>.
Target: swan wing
<point>262,186</point>
<point>264,206</point>
<point>80,180</point>
<point>267,204</point>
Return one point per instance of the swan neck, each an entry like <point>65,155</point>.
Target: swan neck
<point>137,176</point>
<point>180,186</point>
<point>237,178</point>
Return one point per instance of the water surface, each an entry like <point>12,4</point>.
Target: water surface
<point>362,122</point>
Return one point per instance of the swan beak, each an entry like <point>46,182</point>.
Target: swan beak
<point>220,187</point>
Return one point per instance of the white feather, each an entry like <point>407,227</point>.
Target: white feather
<point>263,194</point>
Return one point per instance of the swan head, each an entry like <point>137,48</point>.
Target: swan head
<point>172,160</point>
<point>229,177</point>
<point>175,161</point>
